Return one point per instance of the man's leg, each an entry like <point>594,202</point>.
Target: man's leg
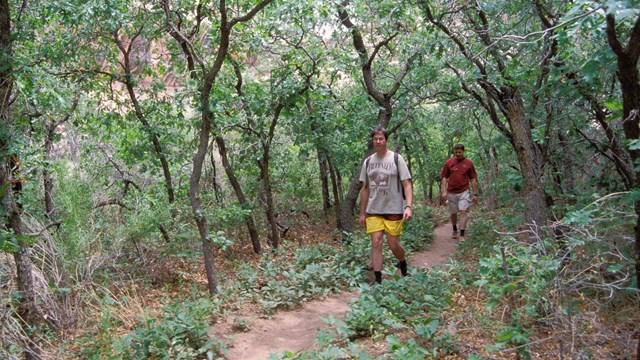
<point>464,205</point>
<point>398,251</point>
<point>464,216</point>
<point>376,254</point>
<point>452,206</point>
<point>454,220</point>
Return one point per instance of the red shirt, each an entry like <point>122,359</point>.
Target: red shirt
<point>458,174</point>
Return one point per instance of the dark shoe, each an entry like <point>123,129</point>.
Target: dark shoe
<point>403,271</point>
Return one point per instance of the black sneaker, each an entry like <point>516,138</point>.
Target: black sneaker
<point>399,266</point>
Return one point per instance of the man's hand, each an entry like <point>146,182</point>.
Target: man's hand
<point>475,200</point>
<point>444,195</point>
<point>363,220</point>
<point>408,213</point>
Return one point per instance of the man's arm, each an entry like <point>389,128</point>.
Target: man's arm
<point>444,188</point>
<point>364,199</point>
<point>408,194</point>
<point>474,187</point>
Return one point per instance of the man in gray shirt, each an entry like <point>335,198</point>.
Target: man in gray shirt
<point>385,178</point>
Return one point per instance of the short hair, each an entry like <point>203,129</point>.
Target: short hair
<point>379,129</point>
<point>458,147</point>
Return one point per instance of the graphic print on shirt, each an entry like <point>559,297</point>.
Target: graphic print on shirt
<point>380,175</point>
<point>464,167</point>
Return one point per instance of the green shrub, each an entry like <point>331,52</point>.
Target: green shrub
<point>418,232</point>
<point>390,306</point>
<point>181,333</point>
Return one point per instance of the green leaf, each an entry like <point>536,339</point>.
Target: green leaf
<point>613,105</point>
<point>634,144</point>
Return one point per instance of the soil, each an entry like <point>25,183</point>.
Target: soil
<point>296,330</point>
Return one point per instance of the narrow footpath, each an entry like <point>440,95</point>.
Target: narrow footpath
<point>296,330</point>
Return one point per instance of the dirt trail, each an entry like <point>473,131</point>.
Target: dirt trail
<point>296,330</point>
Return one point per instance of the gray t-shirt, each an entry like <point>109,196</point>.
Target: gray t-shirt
<point>384,197</point>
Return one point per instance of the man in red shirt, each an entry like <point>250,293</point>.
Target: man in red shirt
<point>457,173</point>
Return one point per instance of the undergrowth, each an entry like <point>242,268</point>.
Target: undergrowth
<point>566,292</point>
<point>575,281</point>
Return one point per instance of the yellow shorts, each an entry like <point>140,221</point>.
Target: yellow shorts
<point>378,223</point>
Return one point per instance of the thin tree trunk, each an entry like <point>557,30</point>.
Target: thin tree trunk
<point>217,190</point>
<point>46,174</point>
<point>266,178</point>
<point>427,189</point>
<point>346,213</point>
<point>324,181</point>
<point>194,195</point>
<point>27,308</point>
<point>340,187</point>
<point>128,81</point>
<point>630,84</point>
<point>323,164</point>
<point>269,203</point>
<point>242,198</point>
<point>567,164</point>
<point>8,164</point>
<point>335,186</point>
<point>206,119</point>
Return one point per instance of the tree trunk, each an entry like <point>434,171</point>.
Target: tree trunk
<point>630,84</point>
<point>335,186</point>
<point>217,190</point>
<point>324,181</point>
<point>535,205</point>
<point>207,82</point>
<point>567,164</point>
<point>339,185</point>
<point>27,308</point>
<point>427,192</point>
<point>196,205</point>
<point>157,147</point>
<point>46,174</point>
<point>346,213</point>
<point>529,157</point>
<point>268,197</point>
<point>242,199</point>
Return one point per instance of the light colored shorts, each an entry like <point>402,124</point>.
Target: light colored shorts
<point>378,223</point>
<point>458,202</point>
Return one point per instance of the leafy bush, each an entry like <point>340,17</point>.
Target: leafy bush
<point>181,333</point>
<point>418,232</point>
<point>314,272</point>
<point>564,281</point>
<point>482,236</point>
<point>390,305</point>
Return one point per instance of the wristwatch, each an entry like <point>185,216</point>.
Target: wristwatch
<point>408,206</point>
